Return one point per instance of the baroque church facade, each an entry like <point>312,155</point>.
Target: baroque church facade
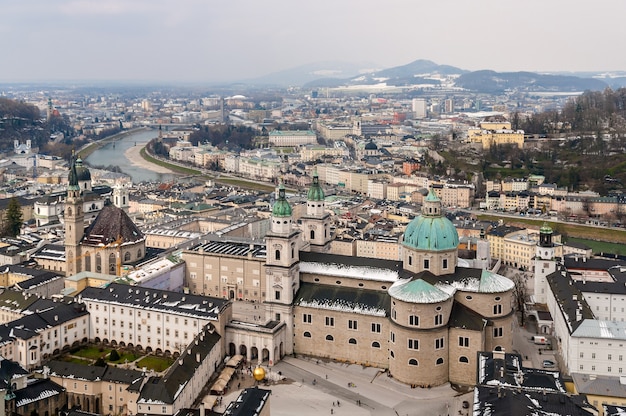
<point>423,319</point>
<point>111,240</point>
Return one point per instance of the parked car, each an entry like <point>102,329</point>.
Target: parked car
<point>549,364</point>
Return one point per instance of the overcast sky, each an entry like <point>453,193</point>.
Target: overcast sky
<point>224,40</point>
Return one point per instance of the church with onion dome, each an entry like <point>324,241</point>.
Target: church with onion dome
<point>423,318</point>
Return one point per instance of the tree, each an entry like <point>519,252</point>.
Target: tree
<point>519,293</point>
<point>114,355</point>
<point>13,218</point>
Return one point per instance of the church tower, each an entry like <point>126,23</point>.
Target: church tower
<point>282,266</point>
<point>120,197</point>
<point>316,222</point>
<point>74,222</point>
<point>545,263</point>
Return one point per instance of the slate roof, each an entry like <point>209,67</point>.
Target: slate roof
<point>93,373</point>
<point>10,370</point>
<point>351,267</point>
<point>506,370</point>
<point>465,318</point>
<point>569,298</point>
<point>49,252</point>
<point>36,391</point>
<point>76,371</point>
<point>599,385</point>
<point>362,301</point>
<point>250,402</point>
<point>110,224</point>
<point>157,300</point>
<point>165,389</point>
<point>505,402</point>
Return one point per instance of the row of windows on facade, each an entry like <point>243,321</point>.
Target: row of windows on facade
<point>412,343</point>
<point>148,328</point>
<point>131,311</point>
<point>426,263</point>
<point>609,356</point>
<point>608,369</point>
<point>413,320</point>
<point>130,337</point>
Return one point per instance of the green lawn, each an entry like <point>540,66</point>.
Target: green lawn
<point>144,154</point>
<point>92,353</point>
<point>126,355</point>
<point>601,246</point>
<point>155,363</point>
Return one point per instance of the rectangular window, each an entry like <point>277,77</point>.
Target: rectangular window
<point>439,344</point>
<point>497,309</point>
<point>582,355</point>
<point>438,319</point>
<point>497,332</point>
<point>445,263</point>
<point>593,355</point>
<point>463,342</point>
<point>330,321</point>
<point>610,356</point>
<point>376,328</point>
<point>414,344</point>
<point>426,264</point>
<point>352,324</point>
<point>306,318</point>
<point>393,337</point>
<point>277,295</point>
<point>414,320</point>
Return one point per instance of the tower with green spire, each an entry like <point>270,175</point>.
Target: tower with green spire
<point>282,263</point>
<point>545,263</point>
<point>74,219</point>
<point>316,222</point>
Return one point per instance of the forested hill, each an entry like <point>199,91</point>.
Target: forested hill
<point>19,121</point>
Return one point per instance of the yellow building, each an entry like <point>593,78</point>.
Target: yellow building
<point>491,134</point>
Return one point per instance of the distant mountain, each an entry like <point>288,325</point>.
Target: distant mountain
<point>495,82</point>
<point>427,73</point>
<point>304,74</point>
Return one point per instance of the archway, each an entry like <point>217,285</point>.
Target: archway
<point>231,294</point>
<point>122,344</point>
<point>232,349</point>
<point>158,351</point>
<point>254,353</point>
<point>265,354</point>
<point>149,350</point>
<point>243,350</point>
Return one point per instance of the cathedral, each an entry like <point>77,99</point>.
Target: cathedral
<point>423,319</point>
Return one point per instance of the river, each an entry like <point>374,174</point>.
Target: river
<point>113,154</point>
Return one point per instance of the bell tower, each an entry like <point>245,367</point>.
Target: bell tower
<point>282,265</point>
<point>316,222</point>
<point>545,263</point>
<point>74,222</point>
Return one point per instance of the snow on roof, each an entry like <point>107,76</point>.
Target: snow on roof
<point>487,283</point>
<point>343,306</point>
<point>43,395</point>
<point>342,270</point>
<point>417,291</point>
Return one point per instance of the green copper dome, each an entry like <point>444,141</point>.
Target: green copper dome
<point>431,231</point>
<point>281,206</point>
<point>545,229</point>
<point>316,193</point>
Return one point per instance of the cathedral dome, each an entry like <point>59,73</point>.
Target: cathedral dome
<point>431,231</point>
<point>82,172</point>
<point>371,146</point>
<point>281,206</point>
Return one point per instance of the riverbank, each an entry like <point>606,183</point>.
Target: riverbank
<point>133,154</point>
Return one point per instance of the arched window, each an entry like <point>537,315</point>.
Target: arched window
<point>277,254</point>
<point>412,361</point>
<point>87,262</point>
<point>69,211</point>
<point>98,263</point>
<point>439,361</point>
<point>307,334</point>
<point>112,264</point>
<point>463,360</point>
<point>498,348</point>
<point>312,234</point>
<point>375,344</point>
<point>352,341</point>
<point>329,338</point>
<point>127,256</point>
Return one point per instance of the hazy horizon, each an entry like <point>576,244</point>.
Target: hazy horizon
<point>223,41</point>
